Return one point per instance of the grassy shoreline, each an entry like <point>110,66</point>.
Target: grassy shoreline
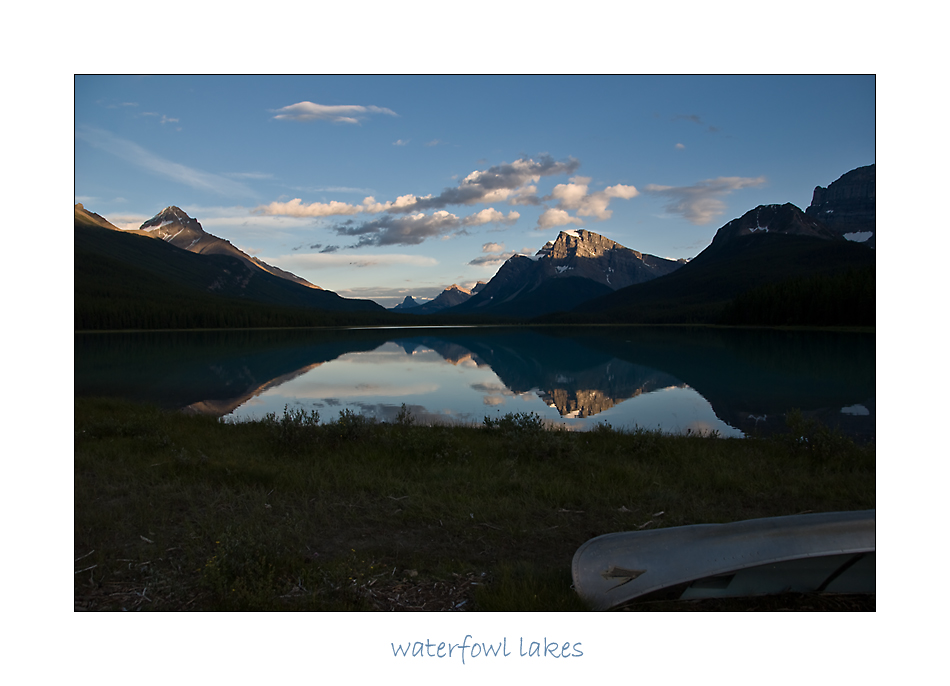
<point>183,512</point>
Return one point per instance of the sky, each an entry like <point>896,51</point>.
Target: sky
<point>380,187</point>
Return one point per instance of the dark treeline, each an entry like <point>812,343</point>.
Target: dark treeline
<point>846,299</point>
<point>110,295</point>
<point>119,312</point>
<point>94,314</point>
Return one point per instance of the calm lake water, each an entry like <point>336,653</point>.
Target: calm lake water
<point>731,381</point>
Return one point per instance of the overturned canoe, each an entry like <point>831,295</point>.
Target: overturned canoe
<point>831,552</point>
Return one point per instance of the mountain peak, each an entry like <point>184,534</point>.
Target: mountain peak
<point>172,215</point>
<point>408,303</point>
<point>578,243</point>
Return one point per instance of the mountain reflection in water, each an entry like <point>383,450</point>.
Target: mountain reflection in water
<point>674,378</point>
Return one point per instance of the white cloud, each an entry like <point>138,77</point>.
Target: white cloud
<point>574,195</point>
<point>490,216</point>
<point>679,146</point>
<point>341,114</point>
<point>296,208</point>
<point>493,247</point>
<point>402,142</point>
<point>700,203</point>
<point>553,216</point>
<point>402,203</point>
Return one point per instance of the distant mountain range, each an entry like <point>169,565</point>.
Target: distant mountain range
<point>579,277</point>
<point>450,297</point>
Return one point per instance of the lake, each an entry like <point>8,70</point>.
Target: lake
<point>732,381</point>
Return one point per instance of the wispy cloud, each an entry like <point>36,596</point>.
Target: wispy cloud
<point>679,146</point>
<point>402,142</point>
<point>336,259</point>
<point>165,119</point>
<point>700,203</point>
<point>493,259</point>
<point>135,154</point>
<point>696,119</point>
<point>433,142</point>
<point>257,176</point>
<point>332,189</point>
<point>340,114</point>
<point>494,253</point>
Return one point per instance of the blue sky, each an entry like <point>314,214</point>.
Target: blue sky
<point>382,187</point>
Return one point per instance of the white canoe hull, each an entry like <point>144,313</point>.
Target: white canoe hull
<point>830,552</point>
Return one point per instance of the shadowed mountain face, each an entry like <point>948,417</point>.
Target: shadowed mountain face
<point>83,217</point>
<point>408,303</point>
<point>175,227</point>
<point>783,219</point>
<point>847,206</point>
<point>770,244</point>
<point>577,266</point>
<point>132,267</point>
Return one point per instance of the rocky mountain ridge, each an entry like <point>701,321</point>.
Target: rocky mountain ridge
<point>848,205</point>
<point>174,226</point>
<point>784,219</point>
